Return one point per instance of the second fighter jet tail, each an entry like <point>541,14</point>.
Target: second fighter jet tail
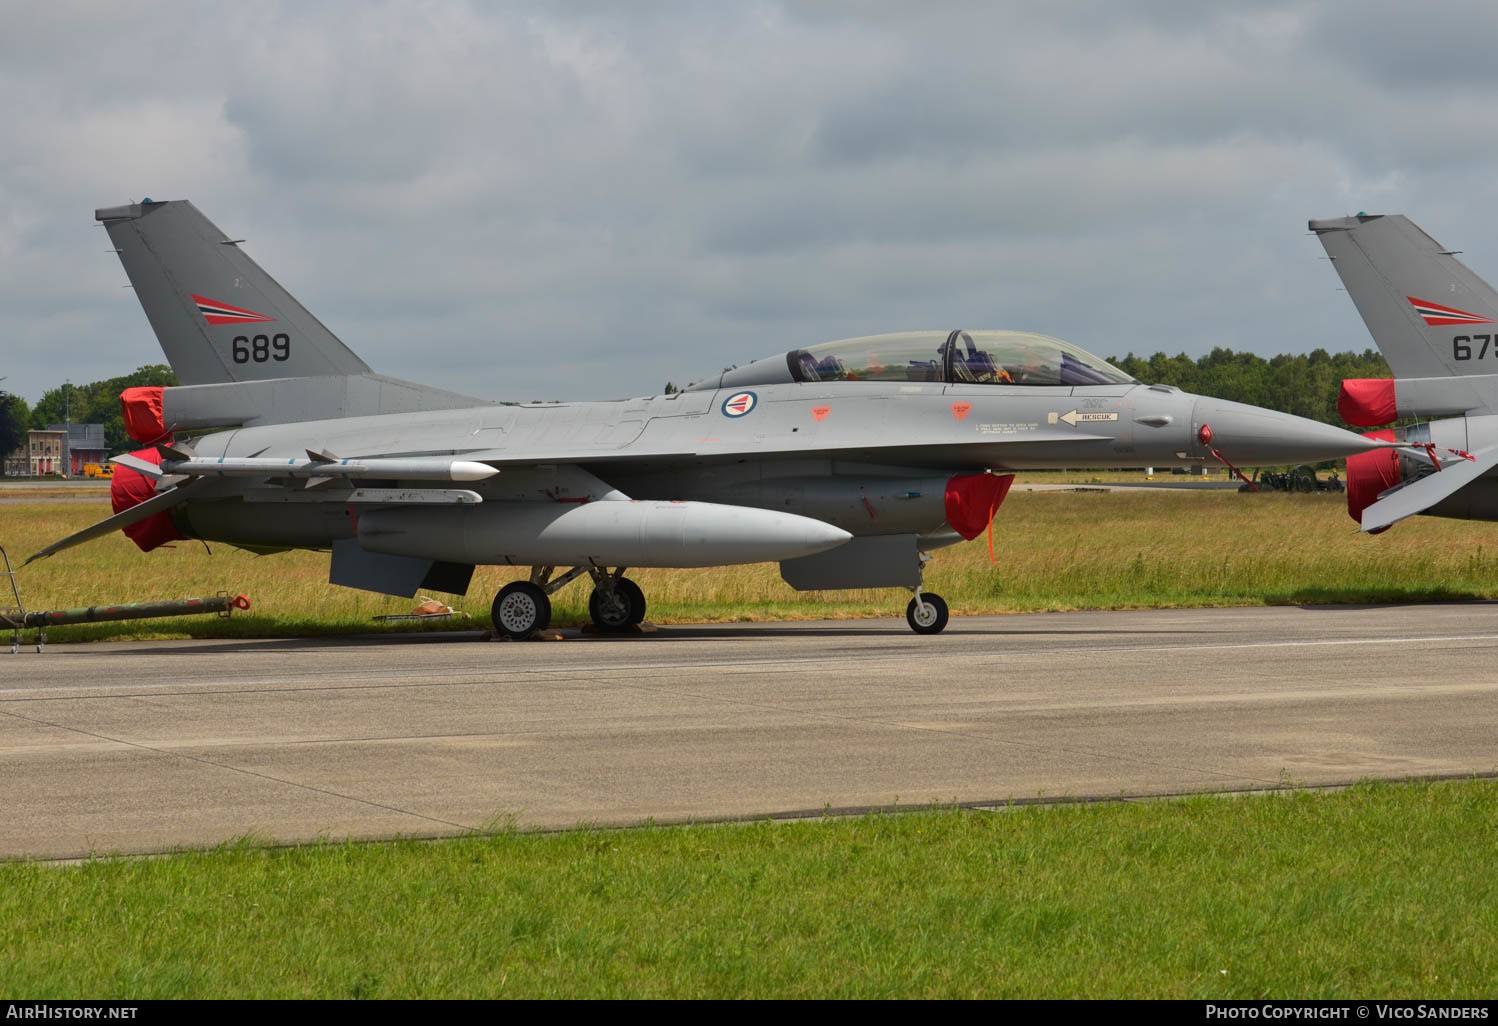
<point>1428,313</point>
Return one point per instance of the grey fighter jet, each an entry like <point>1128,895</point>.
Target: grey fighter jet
<point>847,462</point>
<point>1437,325</point>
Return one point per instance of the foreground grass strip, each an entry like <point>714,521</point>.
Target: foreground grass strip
<point>1053,551</point>
<point>1382,890</point>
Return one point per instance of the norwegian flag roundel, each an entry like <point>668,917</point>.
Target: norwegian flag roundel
<point>739,404</point>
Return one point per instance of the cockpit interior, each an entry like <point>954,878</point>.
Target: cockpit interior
<point>957,357</point>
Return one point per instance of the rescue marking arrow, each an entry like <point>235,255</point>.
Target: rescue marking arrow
<point>1072,417</point>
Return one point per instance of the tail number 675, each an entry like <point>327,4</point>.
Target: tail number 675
<point>1461,346</point>
<point>260,348</point>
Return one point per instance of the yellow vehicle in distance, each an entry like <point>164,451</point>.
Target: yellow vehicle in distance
<point>104,470</point>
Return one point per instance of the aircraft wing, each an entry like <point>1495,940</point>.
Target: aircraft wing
<point>966,453</point>
<point>474,465</point>
<point>1420,494</point>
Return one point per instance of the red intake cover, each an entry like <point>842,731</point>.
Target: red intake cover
<point>1369,473</point>
<point>972,500</point>
<point>1367,402</point>
<point>144,417</point>
<point>131,488</point>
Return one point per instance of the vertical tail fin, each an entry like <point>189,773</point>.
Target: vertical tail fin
<point>218,316</point>
<point>1428,313</point>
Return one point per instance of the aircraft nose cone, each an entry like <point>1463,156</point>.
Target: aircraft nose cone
<point>1253,436</point>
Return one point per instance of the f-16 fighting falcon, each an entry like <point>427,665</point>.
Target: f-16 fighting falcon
<point>847,462</point>
<point>1434,321</point>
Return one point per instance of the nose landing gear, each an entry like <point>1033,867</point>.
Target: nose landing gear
<point>927,613</point>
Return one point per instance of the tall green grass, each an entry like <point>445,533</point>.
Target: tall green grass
<point>1052,551</point>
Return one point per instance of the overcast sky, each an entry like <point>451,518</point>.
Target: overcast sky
<point>552,201</point>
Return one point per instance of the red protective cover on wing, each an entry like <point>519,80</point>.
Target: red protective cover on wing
<point>145,417</point>
<point>131,488</point>
<point>1367,402</point>
<point>972,500</point>
<point>1369,473</point>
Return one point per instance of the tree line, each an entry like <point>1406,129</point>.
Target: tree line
<point>97,402</point>
<point>1304,384</point>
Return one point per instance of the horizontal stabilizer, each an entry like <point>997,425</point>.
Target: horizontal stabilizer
<point>133,515</point>
<point>1408,499</point>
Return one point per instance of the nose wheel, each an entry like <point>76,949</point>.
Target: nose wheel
<point>521,609</point>
<point>927,613</point>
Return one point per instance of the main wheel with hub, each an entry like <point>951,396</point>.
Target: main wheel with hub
<point>521,609</point>
<point>618,609</point>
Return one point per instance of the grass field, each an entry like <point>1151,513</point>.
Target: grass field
<point>1053,551</point>
<point>1379,891</point>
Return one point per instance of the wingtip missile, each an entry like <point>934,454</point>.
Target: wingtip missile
<point>418,468</point>
<point>468,470</point>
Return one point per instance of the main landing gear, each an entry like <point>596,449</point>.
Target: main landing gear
<point>523,608</point>
<point>617,603</point>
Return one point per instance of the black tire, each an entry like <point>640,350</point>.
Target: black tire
<point>609,610</point>
<point>619,611</point>
<point>520,610</point>
<point>934,621</point>
<point>636,599</point>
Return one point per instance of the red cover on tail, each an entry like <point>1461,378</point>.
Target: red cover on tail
<point>972,500</point>
<point>1367,402</point>
<point>130,488</point>
<point>1369,473</point>
<point>145,418</point>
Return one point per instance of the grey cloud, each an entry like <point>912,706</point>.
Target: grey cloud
<point>534,201</point>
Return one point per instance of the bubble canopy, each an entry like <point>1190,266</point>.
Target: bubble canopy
<point>942,357</point>
<point>956,357</point>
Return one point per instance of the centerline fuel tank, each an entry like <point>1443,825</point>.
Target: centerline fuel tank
<point>649,533</point>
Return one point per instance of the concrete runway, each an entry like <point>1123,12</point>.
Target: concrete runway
<point>143,747</point>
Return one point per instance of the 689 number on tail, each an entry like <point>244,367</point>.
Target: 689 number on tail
<point>260,348</point>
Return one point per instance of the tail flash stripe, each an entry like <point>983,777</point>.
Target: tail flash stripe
<point>1436,314</point>
<point>215,312</point>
